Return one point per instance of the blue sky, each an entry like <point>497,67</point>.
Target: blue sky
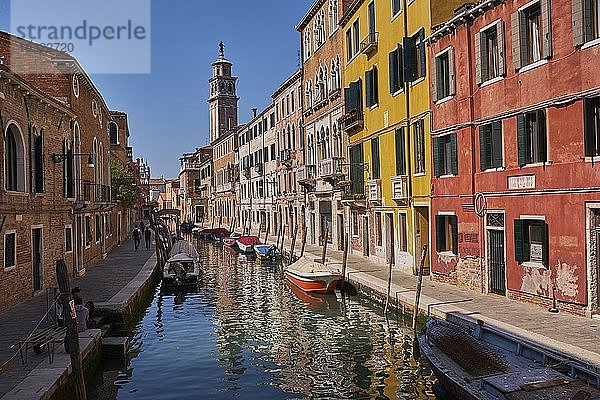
<point>167,109</point>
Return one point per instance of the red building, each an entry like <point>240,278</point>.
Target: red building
<point>516,145</point>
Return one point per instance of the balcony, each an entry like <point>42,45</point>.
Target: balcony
<point>286,157</point>
<point>94,193</point>
<point>352,121</point>
<point>189,166</point>
<point>307,175</point>
<point>368,45</point>
<point>246,172</point>
<point>374,191</point>
<point>400,188</point>
<point>331,169</point>
<point>258,168</point>
<point>354,200</point>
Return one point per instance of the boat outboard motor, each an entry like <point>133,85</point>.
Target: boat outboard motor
<point>179,273</point>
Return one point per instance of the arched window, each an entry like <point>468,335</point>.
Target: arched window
<point>293,137</point>
<point>333,15</point>
<point>68,180</point>
<point>307,43</point>
<point>36,160</point>
<point>114,133</point>
<point>14,161</point>
<point>77,165</point>
<point>327,144</point>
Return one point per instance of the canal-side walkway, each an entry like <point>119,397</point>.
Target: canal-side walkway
<point>576,336</point>
<point>103,283</point>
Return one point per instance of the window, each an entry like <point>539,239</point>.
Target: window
<point>490,145</point>
<point>400,152</point>
<point>378,229</point>
<point>36,160</point>
<point>443,81</point>
<point>372,26</point>
<point>414,56</point>
<point>10,249</point>
<point>396,70</point>
<point>88,231</point>
<point>446,233</point>
<point>419,140</point>
<point>402,232</point>
<point>357,175</point>
<point>591,112</point>
<point>14,160</point>
<point>375,159</point>
<point>396,7</point>
<point>349,52</point>
<point>531,241</point>
<point>353,98</point>
<point>586,21</point>
<point>355,223</point>
<point>489,53</point>
<point>445,155</point>
<point>532,39</point>
<point>114,133</point>
<point>307,44</point>
<point>333,15</point>
<point>531,136</point>
<point>68,239</point>
<point>356,37</point>
<point>371,87</point>
<point>273,151</point>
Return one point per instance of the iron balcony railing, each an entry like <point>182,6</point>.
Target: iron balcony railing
<point>352,121</point>
<point>369,43</point>
<point>286,157</point>
<point>94,192</point>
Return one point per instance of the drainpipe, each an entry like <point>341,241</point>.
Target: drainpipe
<point>407,140</point>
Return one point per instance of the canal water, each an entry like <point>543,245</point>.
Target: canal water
<point>248,334</point>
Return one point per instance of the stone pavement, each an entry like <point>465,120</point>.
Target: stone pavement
<point>576,336</point>
<point>100,283</point>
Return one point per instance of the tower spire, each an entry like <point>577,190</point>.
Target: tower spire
<point>222,49</point>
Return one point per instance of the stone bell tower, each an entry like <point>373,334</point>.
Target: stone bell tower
<point>223,100</point>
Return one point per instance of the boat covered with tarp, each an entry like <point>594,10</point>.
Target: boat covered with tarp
<point>183,265</point>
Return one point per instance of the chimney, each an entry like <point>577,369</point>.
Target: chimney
<point>254,110</point>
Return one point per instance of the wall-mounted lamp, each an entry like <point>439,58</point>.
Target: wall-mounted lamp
<point>58,158</point>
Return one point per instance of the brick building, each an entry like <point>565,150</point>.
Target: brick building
<point>516,100</point>
<point>324,143</point>
<point>195,177</point>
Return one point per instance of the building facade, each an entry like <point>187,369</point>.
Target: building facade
<point>515,145</point>
<point>195,180</point>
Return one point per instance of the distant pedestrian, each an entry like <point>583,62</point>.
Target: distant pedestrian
<point>137,237</point>
<point>148,237</point>
<point>83,315</point>
<point>143,227</point>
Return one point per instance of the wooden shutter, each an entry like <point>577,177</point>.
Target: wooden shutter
<point>545,252</point>
<point>409,59</point>
<point>400,152</point>
<point>39,163</point>
<point>522,139</point>
<point>347,95</point>
<point>375,77</point>
<point>578,22</point>
<point>496,144</point>
<point>440,233</point>
<point>358,96</point>
<point>484,147</point>
<point>31,159</point>
<point>454,150</point>
<point>423,53</point>
<point>546,7</point>
<point>437,162</point>
<point>519,241</point>
<point>393,69</point>
<point>433,79</point>
<point>589,129</point>
<point>515,28</point>
<point>400,78</point>
<point>478,69</point>
<point>501,48</point>
<point>542,135</point>
<point>369,88</point>
<point>452,73</point>
<point>375,158</point>
<point>453,220</point>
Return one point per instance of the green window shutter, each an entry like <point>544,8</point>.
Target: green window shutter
<point>410,59</point>
<point>393,64</point>
<point>347,103</point>
<point>453,220</point>
<point>400,76</point>
<point>375,158</point>
<point>454,150</point>
<point>437,162</point>
<point>400,152</point>
<point>440,234</point>
<point>39,163</point>
<point>522,139</point>
<point>375,77</point>
<point>369,88</point>
<point>358,97</point>
<point>496,132</point>
<point>542,135</point>
<point>589,130</point>
<point>545,252</point>
<point>519,241</point>
<point>423,52</point>
<point>484,149</point>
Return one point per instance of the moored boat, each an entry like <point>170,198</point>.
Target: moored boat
<point>485,364</point>
<point>231,241</point>
<point>313,276</point>
<point>246,243</point>
<point>183,265</point>
<point>267,252</point>
<point>219,234</point>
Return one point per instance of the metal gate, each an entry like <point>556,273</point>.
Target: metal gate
<point>495,253</point>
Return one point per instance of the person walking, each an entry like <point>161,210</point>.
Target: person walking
<point>143,227</point>
<point>148,237</point>
<point>137,237</point>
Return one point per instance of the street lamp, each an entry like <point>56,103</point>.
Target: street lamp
<point>58,158</point>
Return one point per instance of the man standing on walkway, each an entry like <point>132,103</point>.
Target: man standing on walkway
<point>148,237</point>
<point>137,237</point>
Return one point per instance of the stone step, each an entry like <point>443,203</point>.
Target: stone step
<point>115,346</point>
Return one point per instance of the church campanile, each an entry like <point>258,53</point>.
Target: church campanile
<point>223,100</point>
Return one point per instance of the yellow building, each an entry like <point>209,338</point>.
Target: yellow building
<point>387,118</point>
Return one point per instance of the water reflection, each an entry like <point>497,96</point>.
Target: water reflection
<point>246,333</point>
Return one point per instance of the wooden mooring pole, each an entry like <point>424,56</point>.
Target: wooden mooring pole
<point>419,285</point>
<point>72,336</point>
<point>325,241</point>
<point>268,229</point>
<point>389,286</point>
<point>304,230</point>
<point>293,244</point>
<point>345,260</point>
